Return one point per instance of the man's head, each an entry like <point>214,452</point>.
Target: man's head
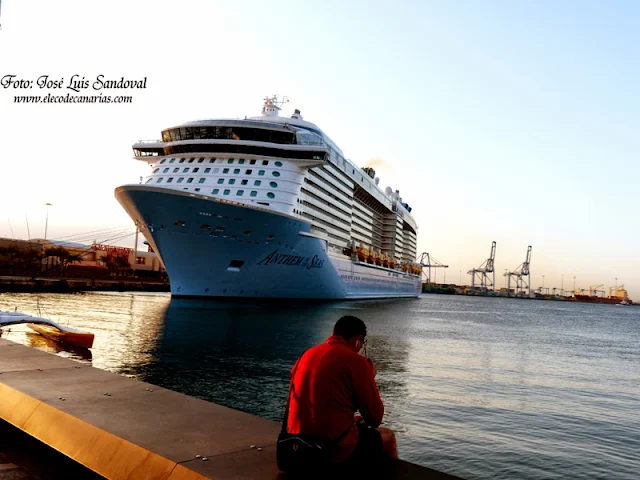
<point>353,330</point>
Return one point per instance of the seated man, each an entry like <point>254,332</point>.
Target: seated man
<point>331,382</point>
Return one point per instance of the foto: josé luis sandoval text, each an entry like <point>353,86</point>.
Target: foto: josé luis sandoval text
<point>76,83</point>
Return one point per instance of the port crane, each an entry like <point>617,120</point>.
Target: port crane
<point>593,290</point>
<point>481,273</point>
<point>427,261</point>
<point>522,277</point>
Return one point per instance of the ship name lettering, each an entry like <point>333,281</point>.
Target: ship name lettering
<point>291,260</point>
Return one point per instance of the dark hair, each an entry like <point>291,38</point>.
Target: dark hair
<point>349,326</point>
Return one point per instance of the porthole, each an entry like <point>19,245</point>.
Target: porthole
<point>241,161</point>
<point>232,181</point>
<point>271,195</point>
<point>215,191</point>
<point>240,193</point>
<point>225,170</point>
<point>248,171</point>
<point>261,172</point>
<point>230,161</point>
<point>278,164</point>
<point>236,171</point>
<point>244,182</point>
<point>227,192</point>
<point>275,174</point>
<point>195,170</point>
<point>220,181</point>
<point>251,162</point>
<point>254,193</point>
<point>265,162</point>
<point>257,183</point>
<point>273,185</point>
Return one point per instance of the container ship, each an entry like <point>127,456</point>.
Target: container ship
<point>269,207</point>
<point>617,295</point>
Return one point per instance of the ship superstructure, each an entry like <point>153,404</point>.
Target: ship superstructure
<point>268,206</point>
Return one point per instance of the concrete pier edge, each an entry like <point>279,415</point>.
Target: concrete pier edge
<point>143,431</point>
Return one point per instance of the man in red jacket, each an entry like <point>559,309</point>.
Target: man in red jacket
<point>331,382</point>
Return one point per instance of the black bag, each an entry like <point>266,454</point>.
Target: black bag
<point>298,452</point>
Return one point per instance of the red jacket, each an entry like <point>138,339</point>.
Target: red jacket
<point>331,382</point>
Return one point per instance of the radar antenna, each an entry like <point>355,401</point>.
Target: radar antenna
<point>274,100</point>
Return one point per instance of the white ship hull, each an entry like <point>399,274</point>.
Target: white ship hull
<point>216,248</point>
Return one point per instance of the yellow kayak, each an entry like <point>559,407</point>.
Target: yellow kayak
<point>70,336</point>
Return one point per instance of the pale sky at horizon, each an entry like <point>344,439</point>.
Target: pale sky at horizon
<point>517,122</point>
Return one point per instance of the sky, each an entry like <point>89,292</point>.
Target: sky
<point>513,121</point>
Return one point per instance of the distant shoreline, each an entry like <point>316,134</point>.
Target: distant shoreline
<point>21,284</point>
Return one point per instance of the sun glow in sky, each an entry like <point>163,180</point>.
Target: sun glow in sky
<point>509,121</point>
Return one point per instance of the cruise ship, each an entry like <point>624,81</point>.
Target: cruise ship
<point>269,207</point>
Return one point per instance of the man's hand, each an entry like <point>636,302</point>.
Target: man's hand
<point>373,366</point>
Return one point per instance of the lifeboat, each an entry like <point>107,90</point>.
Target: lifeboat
<point>377,259</point>
<point>385,261</point>
<point>392,262</point>
<point>362,254</point>
<point>370,258</point>
<point>405,267</point>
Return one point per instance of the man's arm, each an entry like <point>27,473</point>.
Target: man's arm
<point>367,396</point>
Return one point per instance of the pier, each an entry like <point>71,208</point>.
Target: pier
<point>122,428</point>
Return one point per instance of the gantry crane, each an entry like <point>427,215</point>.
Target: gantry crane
<point>484,281</point>
<point>427,261</point>
<point>593,290</point>
<point>522,277</point>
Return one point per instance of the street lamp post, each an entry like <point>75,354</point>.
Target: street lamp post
<point>562,285</point>
<point>46,222</point>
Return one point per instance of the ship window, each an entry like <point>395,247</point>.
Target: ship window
<point>207,170</point>
<point>220,181</point>
<point>162,161</point>
<point>265,162</point>
<point>201,160</point>
<point>275,174</point>
<point>273,185</point>
<point>225,170</point>
<point>195,170</point>
<point>201,180</point>
<point>159,180</point>
<point>240,193</point>
<point>204,226</point>
<point>244,182</point>
<point>165,170</point>
<point>212,160</point>
<point>170,179</point>
<point>241,161</point>
<point>216,170</point>
<point>261,172</point>
<point>185,170</point>
<point>179,223</point>
<point>263,203</point>
<point>156,170</point>
<point>148,180</point>
<point>248,171</point>
<point>271,195</point>
<point>181,160</point>
<point>176,170</point>
<point>254,193</point>
<point>252,162</point>
<point>232,181</point>
<point>180,179</point>
<point>230,160</point>
<point>189,180</point>
<point>278,164</point>
<point>172,160</point>
<point>196,189</point>
<point>257,183</point>
<point>236,171</point>
<point>227,192</point>
<point>191,160</point>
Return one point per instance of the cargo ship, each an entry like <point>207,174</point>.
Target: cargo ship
<point>617,295</point>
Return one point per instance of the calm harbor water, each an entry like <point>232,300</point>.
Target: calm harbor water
<point>477,387</point>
